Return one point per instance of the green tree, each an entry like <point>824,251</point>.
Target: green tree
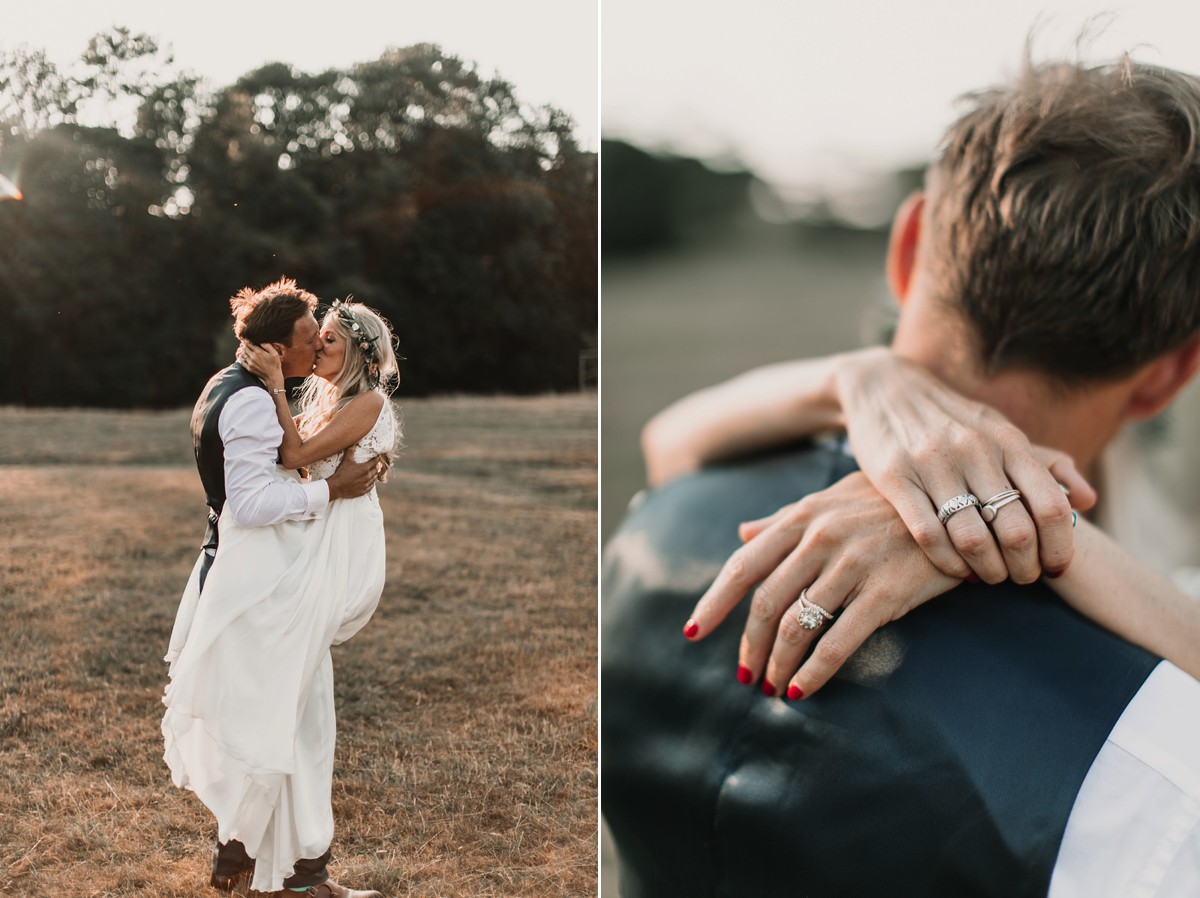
<point>434,194</point>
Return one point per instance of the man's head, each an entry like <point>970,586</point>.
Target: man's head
<point>1058,239</point>
<point>280,314</point>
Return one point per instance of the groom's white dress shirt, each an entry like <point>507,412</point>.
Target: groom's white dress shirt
<point>1134,831</point>
<point>254,493</point>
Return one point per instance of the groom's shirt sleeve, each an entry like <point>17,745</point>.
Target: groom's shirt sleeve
<point>254,494</point>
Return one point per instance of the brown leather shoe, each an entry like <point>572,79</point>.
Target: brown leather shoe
<point>228,883</point>
<point>330,889</point>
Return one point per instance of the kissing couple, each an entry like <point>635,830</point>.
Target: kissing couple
<point>292,564</point>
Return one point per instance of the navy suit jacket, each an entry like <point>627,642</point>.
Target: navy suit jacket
<point>943,760</point>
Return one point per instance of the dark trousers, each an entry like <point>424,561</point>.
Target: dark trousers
<point>231,858</point>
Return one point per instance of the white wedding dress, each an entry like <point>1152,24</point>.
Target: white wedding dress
<point>250,725</point>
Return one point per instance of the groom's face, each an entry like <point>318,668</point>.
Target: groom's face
<point>298,359</point>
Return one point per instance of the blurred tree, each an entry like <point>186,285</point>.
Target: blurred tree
<point>465,216</point>
<point>658,201</point>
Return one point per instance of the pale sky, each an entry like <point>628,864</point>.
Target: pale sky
<point>815,92</point>
<point>548,49</point>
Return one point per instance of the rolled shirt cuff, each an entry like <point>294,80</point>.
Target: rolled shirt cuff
<point>317,494</point>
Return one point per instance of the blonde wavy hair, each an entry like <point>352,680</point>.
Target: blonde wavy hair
<point>363,370</point>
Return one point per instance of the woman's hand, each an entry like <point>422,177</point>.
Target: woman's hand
<point>843,548</point>
<point>921,444</point>
<point>263,362</point>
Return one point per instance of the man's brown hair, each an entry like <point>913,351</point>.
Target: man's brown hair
<point>1063,216</point>
<point>269,315</point>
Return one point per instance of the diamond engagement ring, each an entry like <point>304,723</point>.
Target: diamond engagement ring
<point>991,506</point>
<point>811,615</point>
<point>957,504</point>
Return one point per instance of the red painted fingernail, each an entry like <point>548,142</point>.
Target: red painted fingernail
<point>745,677</point>
<point>768,688</point>
<point>972,578</point>
<point>691,628</point>
<point>795,693</point>
<point>1054,575</point>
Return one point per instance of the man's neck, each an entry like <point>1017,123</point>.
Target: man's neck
<point>1080,421</point>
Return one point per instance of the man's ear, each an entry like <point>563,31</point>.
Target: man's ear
<point>1156,385</point>
<point>902,245</point>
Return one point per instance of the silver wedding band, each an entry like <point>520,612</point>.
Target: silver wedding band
<point>811,615</point>
<point>955,505</point>
<point>989,508</point>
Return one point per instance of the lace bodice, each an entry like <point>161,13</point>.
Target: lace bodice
<point>381,438</point>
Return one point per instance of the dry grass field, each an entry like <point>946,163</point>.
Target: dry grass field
<point>466,760</point>
<point>676,322</point>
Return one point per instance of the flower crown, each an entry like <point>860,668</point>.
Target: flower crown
<point>367,344</point>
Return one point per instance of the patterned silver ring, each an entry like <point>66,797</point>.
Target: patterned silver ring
<point>989,508</point>
<point>955,505</point>
<point>811,615</point>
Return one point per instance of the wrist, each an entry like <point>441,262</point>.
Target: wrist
<point>842,384</point>
<point>855,372</point>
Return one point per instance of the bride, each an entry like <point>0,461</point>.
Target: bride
<point>250,724</point>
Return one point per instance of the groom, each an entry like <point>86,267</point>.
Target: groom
<point>236,436</point>
<point>990,742</point>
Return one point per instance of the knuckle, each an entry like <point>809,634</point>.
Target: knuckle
<point>791,632</point>
<point>762,606</point>
<point>952,565</point>
<point>993,573</point>
<point>795,514</point>
<point>895,465</point>
<point>927,534</point>
<point>820,536</point>
<point>831,651</point>
<point>1059,559</point>
<point>1025,576</point>
<point>735,568</point>
<point>1020,537</point>
<point>1056,514</point>
<point>972,542</point>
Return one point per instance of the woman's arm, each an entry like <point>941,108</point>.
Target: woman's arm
<point>918,442</point>
<point>347,427</point>
<point>765,407</point>
<point>1124,595</point>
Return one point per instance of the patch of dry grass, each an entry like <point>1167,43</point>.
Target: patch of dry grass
<point>466,708</point>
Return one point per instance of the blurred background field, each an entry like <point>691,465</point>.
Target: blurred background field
<point>714,294</point>
<point>466,708</point>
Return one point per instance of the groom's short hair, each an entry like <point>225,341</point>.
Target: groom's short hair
<point>1063,219</point>
<point>269,315</point>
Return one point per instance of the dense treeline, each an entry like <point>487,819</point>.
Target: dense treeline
<point>654,201</point>
<point>412,182</point>
<point>661,201</point>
